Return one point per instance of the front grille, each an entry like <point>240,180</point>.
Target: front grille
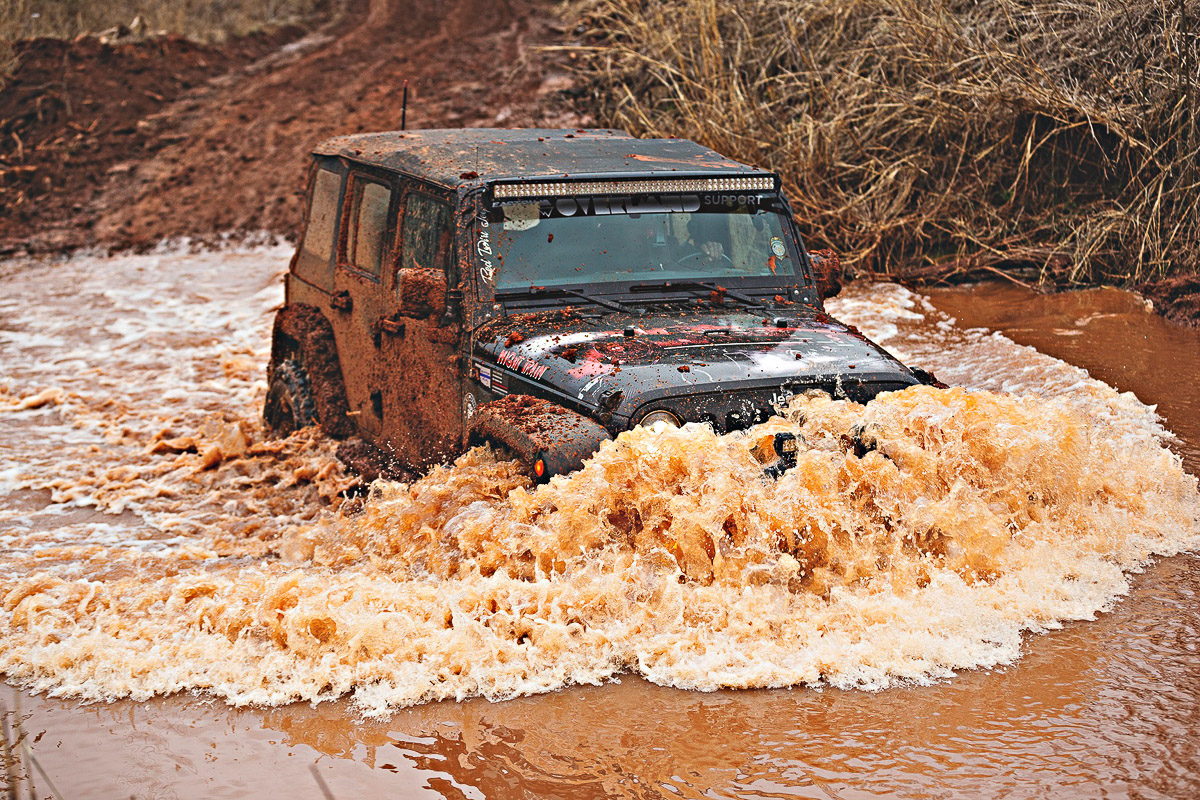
<point>726,411</point>
<point>743,418</point>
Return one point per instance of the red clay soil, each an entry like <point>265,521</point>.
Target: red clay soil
<point>1177,299</point>
<point>75,114</point>
<point>123,145</point>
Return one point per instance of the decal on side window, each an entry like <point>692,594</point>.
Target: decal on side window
<point>484,248</point>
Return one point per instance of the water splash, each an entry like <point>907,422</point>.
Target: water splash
<point>226,562</point>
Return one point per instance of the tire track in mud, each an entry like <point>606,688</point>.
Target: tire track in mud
<point>240,148</point>
<point>153,539</point>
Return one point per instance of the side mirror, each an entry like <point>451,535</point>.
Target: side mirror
<point>422,292</point>
<point>827,271</point>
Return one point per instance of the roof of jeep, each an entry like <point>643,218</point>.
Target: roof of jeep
<point>453,156</point>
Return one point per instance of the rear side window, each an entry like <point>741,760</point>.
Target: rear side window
<point>313,265</point>
<point>425,237</point>
<point>369,202</point>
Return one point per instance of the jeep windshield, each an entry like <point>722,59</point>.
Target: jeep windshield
<point>531,245</point>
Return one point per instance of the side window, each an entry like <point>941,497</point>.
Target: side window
<point>425,235</point>
<point>369,201</point>
<point>313,265</point>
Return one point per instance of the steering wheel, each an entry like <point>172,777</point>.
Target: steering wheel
<point>703,255</point>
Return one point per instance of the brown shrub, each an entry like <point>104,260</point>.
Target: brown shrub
<point>213,21</point>
<point>924,135</point>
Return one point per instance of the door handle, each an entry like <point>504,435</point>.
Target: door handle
<point>341,301</point>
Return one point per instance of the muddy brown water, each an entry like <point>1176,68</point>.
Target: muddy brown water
<point>156,542</point>
<point>1106,331</point>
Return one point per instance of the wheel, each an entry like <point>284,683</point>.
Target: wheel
<point>289,405</point>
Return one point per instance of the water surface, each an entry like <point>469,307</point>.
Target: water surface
<point>155,540</point>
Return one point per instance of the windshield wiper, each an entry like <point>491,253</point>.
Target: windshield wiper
<point>744,299</point>
<point>534,291</point>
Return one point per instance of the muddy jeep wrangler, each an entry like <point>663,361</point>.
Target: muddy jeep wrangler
<point>544,290</point>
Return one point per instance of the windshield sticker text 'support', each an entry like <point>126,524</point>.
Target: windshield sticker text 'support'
<point>732,200</point>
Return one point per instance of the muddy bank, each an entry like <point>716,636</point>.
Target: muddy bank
<point>79,114</point>
<point>124,145</point>
<point>1177,299</point>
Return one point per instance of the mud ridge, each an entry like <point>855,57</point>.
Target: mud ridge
<point>1177,299</point>
<point>168,138</point>
<point>78,115</point>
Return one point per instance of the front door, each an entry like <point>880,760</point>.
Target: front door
<point>422,384</point>
<point>359,297</point>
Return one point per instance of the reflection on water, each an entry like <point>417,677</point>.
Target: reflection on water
<point>163,543</point>
<point>1102,708</point>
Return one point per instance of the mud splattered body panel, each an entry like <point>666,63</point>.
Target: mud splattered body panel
<point>438,318</point>
<point>397,348</point>
<point>728,368</point>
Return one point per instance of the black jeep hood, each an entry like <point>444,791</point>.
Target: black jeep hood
<point>689,361</point>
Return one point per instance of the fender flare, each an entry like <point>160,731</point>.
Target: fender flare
<point>302,332</point>
<point>538,430</point>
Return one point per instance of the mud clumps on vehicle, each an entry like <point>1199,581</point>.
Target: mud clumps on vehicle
<point>424,293</point>
<point>303,332</point>
<point>529,417</point>
<point>827,270</point>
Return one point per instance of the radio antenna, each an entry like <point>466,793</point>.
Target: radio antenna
<point>404,108</point>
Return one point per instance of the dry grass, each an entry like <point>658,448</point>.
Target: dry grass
<point>930,136</point>
<point>210,21</point>
<point>203,20</point>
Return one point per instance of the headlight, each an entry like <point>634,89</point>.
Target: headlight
<point>660,416</point>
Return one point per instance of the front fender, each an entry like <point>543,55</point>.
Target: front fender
<point>539,431</point>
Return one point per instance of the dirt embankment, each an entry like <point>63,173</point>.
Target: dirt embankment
<point>123,144</point>
<point>77,115</point>
<point>1177,299</point>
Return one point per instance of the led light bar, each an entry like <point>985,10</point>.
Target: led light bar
<point>509,191</point>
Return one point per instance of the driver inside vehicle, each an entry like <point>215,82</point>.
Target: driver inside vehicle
<point>699,243</point>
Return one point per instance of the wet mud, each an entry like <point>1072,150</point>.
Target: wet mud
<point>178,139</point>
<point>157,541</point>
<point>1177,298</point>
<point>77,116</point>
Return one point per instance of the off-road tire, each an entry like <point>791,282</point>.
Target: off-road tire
<point>290,405</point>
<point>303,334</point>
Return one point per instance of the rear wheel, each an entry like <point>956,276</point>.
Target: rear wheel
<point>290,405</point>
